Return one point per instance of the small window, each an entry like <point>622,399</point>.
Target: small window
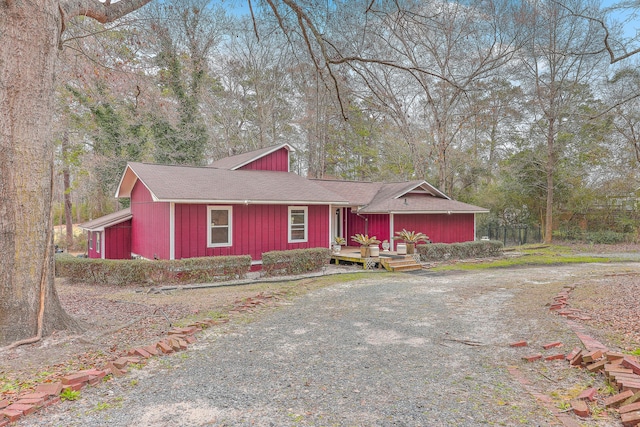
<point>219,229</point>
<point>98,242</point>
<point>91,240</point>
<point>298,224</point>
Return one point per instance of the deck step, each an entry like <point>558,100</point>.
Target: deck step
<point>400,264</point>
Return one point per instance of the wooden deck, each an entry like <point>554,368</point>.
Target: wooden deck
<point>388,260</point>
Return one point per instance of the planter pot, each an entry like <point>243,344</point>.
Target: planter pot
<point>364,252</point>
<point>374,251</point>
<point>401,249</point>
<point>411,248</point>
<point>337,248</point>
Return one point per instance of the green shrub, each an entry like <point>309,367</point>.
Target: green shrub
<point>124,272</point>
<point>605,236</point>
<point>447,251</point>
<point>294,261</point>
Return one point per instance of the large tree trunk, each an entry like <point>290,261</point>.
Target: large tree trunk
<point>66,182</point>
<point>29,32</point>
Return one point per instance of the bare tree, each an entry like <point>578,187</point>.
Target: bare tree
<point>556,66</point>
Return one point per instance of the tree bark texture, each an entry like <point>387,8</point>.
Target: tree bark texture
<point>66,182</point>
<point>29,32</point>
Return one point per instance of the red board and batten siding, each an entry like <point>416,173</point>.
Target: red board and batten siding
<point>256,229</point>
<point>91,250</point>
<point>150,224</point>
<point>117,241</point>
<point>441,228</point>
<point>276,161</point>
<point>376,225</point>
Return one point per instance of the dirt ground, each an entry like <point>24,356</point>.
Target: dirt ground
<point>116,319</point>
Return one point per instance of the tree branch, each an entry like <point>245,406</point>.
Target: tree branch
<point>101,12</point>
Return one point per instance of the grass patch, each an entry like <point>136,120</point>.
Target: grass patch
<point>551,258</point>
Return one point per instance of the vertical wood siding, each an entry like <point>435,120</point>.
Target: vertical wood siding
<point>378,225</point>
<point>256,229</point>
<point>150,224</point>
<point>276,161</point>
<point>441,228</point>
<point>117,241</point>
<point>91,247</point>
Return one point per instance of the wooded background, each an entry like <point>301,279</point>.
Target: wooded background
<point>530,109</point>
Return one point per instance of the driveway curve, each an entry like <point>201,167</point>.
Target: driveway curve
<point>392,350</point>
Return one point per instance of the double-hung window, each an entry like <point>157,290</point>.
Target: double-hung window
<point>219,229</point>
<point>298,224</point>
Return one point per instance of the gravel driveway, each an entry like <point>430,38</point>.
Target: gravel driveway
<point>394,350</point>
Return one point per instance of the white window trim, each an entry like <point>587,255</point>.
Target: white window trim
<point>229,210</point>
<point>305,209</point>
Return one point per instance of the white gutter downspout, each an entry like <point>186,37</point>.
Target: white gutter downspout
<point>391,230</point>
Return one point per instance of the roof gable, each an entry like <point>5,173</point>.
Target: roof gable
<point>240,160</point>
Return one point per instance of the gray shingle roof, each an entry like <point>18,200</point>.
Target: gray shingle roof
<point>109,220</point>
<point>212,185</point>
<point>401,197</point>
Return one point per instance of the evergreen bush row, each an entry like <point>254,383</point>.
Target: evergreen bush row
<point>124,272</point>
<point>295,261</point>
<point>604,236</point>
<point>447,251</point>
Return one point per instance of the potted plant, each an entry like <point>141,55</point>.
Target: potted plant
<point>410,238</point>
<point>365,244</point>
<point>338,241</point>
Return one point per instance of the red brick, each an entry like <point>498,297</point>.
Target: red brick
<point>629,408</point>
<point>559,356</point>
<point>611,369</point>
<point>31,401</point>
<point>580,408</point>
<point>617,399</point>
<point>552,345</point>
<point>12,415</point>
<point>4,403</point>
<point>612,355</point>
<point>573,353</point>
<point>140,352</point>
<point>633,399</point>
<point>75,379</point>
<point>52,389</point>
<point>115,371</point>
<point>74,387</point>
<point>4,422</point>
<point>120,362</point>
<point>588,394</point>
<point>632,364</point>
<point>183,344</point>
<point>630,419</point>
<point>175,345</point>
<point>151,349</point>
<point>597,366</point>
<point>592,356</point>
<point>533,357</point>
<point>577,359</point>
<point>52,401</point>
<point>37,395</point>
<point>190,339</point>
<point>164,347</point>
<point>518,344</point>
<point>26,409</point>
